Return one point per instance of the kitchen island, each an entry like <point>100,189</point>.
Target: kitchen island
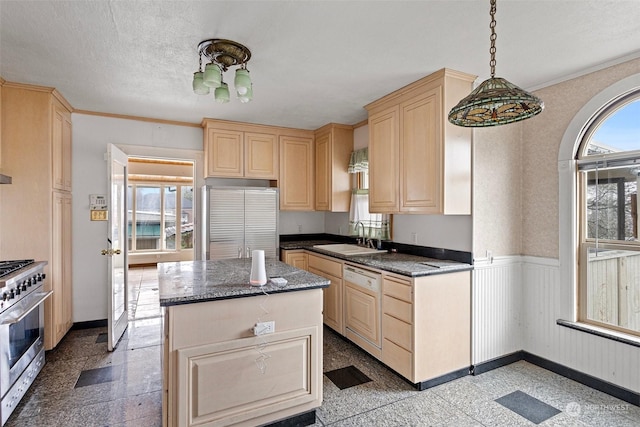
<point>235,354</point>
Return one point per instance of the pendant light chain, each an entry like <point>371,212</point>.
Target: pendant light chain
<point>493,38</point>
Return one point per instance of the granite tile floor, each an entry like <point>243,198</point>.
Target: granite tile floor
<point>84,385</point>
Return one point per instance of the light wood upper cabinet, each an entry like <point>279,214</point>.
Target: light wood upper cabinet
<point>418,161</point>
<point>334,144</point>
<point>240,150</point>
<point>296,173</point>
<point>261,155</point>
<point>420,167</point>
<point>61,147</point>
<point>224,153</point>
<point>384,165</point>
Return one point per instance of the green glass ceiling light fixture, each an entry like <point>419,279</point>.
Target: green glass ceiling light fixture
<point>495,101</point>
<point>223,54</point>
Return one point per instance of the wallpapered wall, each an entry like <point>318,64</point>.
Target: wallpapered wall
<point>516,170</point>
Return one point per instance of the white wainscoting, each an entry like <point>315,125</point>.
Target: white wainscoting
<point>496,308</point>
<point>516,302</point>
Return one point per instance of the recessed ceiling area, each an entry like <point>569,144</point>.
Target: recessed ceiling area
<point>313,62</point>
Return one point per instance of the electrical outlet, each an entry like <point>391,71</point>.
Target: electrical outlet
<point>262,328</point>
<point>299,228</point>
<point>414,238</point>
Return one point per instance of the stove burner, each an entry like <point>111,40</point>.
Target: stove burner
<point>8,267</point>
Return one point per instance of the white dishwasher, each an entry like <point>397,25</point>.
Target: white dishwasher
<point>362,296</point>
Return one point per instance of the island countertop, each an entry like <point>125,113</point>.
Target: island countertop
<point>189,282</point>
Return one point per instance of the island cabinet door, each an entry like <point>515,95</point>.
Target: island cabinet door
<point>241,381</point>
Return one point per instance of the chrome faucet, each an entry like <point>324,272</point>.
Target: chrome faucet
<point>360,237</point>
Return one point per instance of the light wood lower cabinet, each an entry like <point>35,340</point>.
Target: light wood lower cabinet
<point>296,257</point>
<point>333,304</point>
<point>62,312</point>
<point>426,324</point>
<point>217,373</point>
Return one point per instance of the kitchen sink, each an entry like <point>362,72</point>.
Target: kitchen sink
<point>346,249</point>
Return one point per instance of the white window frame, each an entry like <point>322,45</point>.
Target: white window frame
<point>567,307</point>
<point>162,187</point>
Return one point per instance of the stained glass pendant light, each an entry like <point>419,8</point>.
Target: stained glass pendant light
<point>495,101</point>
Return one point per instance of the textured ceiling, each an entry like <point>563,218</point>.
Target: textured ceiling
<point>313,62</point>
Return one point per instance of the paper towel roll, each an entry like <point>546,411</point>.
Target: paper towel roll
<point>258,273</point>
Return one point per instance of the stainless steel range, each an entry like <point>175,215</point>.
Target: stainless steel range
<point>22,298</point>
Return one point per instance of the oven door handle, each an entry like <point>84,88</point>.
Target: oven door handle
<point>41,297</point>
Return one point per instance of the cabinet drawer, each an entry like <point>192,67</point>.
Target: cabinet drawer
<point>397,289</point>
<point>397,358</point>
<point>397,308</point>
<point>332,267</point>
<point>396,331</point>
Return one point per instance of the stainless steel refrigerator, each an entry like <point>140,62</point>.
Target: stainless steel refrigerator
<point>238,220</point>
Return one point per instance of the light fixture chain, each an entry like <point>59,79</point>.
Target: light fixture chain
<point>493,38</point>
<point>200,67</point>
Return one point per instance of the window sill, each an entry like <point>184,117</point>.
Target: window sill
<point>601,332</point>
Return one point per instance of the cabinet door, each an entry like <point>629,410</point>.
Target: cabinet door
<point>332,303</point>
<point>66,152</point>
<point>296,258</point>
<point>383,161</point>
<point>323,172</point>
<point>224,153</point>
<point>60,149</point>
<point>421,155</point>
<point>227,383</point>
<point>67,302</point>
<point>260,156</point>
<point>296,173</point>
<point>61,315</point>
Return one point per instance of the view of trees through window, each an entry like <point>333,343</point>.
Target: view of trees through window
<point>160,217</point>
<point>611,208</point>
<point>608,170</point>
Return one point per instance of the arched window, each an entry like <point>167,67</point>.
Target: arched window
<point>609,233</point>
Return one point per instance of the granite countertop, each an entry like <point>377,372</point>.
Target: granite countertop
<point>199,281</point>
<point>400,263</point>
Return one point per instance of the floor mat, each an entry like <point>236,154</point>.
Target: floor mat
<point>347,377</point>
<point>98,376</point>
<point>528,407</point>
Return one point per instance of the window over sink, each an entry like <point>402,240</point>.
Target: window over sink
<point>363,223</point>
